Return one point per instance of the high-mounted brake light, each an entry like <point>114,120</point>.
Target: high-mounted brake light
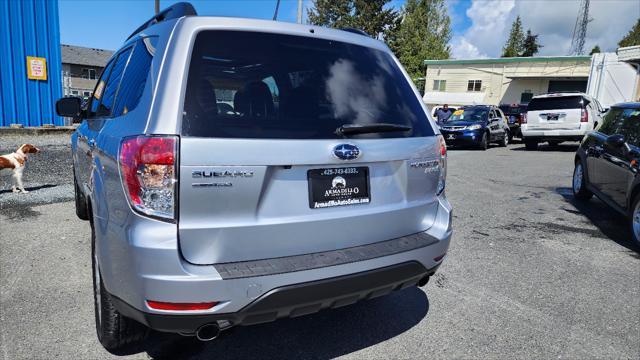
<point>443,165</point>
<point>584,117</point>
<point>148,169</point>
<point>160,305</point>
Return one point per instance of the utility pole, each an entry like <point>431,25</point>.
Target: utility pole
<point>580,28</point>
<point>157,6</point>
<point>299,11</point>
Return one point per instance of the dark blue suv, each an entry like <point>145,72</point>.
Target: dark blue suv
<point>476,126</point>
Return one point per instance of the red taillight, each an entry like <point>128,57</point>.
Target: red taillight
<point>443,146</point>
<point>443,165</point>
<point>148,169</point>
<point>523,118</point>
<point>160,305</point>
<point>584,117</point>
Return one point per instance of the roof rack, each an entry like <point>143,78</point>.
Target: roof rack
<point>355,31</point>
<point>172,12</point>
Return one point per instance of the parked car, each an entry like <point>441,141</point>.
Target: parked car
<point>477,126</point>
<point>608,161</point>
<point>514,114</point>
<point>555,118</point>
<point>314,192</point>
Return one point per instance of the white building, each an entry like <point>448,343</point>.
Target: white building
<point>516,80</point>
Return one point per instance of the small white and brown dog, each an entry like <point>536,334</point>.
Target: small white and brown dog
<point>15,162</point>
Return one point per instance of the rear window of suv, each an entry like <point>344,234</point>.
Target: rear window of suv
<point>260,85</point>
<point>556,103</point>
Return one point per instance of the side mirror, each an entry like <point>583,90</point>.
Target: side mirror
<point>604,110</point>
<point>615,141</point>
<point>69,107</point>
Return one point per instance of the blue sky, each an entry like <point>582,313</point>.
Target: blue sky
<point>480,27</point>
<point>106,24</point>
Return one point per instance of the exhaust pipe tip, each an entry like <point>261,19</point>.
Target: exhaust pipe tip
<point>208,332</point>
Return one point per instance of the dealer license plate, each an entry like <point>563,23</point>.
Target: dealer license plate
<point>338,187</point>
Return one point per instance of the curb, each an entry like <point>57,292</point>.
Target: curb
<point>37,130</point>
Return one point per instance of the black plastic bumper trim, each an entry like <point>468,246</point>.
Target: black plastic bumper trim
<point>236,270</point>
<point>293,300</point>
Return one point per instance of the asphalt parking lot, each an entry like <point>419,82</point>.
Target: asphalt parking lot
<point>531,274</point>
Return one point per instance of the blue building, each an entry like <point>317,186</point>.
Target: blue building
<point>30,62</point>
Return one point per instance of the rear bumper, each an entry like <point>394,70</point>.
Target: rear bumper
<point>147,265</point>
<point>293,300</point>
<point>548,134</point>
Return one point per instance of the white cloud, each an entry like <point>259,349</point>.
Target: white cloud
<point>552,20</point>
<point>461,48</point>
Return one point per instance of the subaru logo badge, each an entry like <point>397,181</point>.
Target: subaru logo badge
<point>346,152</point>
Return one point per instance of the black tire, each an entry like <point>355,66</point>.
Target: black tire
<point>115,331</point>
<point>81,201</point>
<point>505,140</point>
<point>484,142</point>
<point>579,186</point>
<point>531,145</point>
<point>633,212</point>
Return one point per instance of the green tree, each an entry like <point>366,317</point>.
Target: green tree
<point>422,34</point>
<point>514,45</point>
<point>633,37</point>
<point>372,17</point>
<point>530,45</point>
<point>595,50</point>
<point>331,13</point>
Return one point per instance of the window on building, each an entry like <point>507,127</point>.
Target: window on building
<point>135,76</point>
<point>86,93</point>
<point>525,97</point>
<point>74,92</point>
<point>89,73</point>
<point>439,85</point>
<point>474,85</point>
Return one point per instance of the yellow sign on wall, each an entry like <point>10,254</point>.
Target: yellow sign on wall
<point>36,68</point>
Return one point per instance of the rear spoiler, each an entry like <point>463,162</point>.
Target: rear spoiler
<point>172,12</point>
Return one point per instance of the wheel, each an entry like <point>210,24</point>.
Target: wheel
<point>579,187</point>
<point>635,220</point>
<point>531,145</point>
<point>115,332</point>
<point>484,142</point>
<point>81,201</point>
<point>505,140</point>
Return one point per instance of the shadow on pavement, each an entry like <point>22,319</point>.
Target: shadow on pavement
<point>327,334</point>
<point>572,147</point>
<point>612,224</point>
<point>34,188</point>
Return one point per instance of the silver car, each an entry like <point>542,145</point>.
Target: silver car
<point>238,171</point>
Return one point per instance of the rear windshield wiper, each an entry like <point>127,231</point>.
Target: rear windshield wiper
<point>352,129</point>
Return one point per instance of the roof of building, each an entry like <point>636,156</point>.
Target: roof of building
<point>508,60</point>
<point>85,56</point>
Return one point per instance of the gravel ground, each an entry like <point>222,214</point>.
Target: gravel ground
<point>47,177</point>
<point>530,274</point>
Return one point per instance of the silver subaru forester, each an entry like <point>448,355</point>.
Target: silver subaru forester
<point>237,171</point>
